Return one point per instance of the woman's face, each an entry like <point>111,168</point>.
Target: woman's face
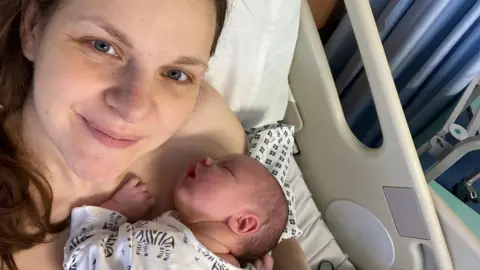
<point>114,79</point>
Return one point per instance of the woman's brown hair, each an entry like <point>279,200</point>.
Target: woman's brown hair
<point>25,219</point>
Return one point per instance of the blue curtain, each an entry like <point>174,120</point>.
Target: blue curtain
<point>433,48</point>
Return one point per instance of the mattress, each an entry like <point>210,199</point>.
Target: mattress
<point>317,241</point>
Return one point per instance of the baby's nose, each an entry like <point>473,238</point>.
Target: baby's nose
<point>207,161</point>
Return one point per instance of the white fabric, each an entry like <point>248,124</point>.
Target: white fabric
<point>317,241</point>
<point>253,58</point>
<point>103,239</point>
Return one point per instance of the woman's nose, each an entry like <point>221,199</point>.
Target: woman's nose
<point>133,102</point>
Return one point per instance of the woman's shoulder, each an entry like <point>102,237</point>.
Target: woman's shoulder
<point>215,122</point>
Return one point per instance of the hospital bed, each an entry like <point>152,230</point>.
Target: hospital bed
<point>359,208</point>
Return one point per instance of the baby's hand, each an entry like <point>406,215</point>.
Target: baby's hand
<point>132,200</point>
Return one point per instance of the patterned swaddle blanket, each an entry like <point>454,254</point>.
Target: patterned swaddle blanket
<point>102,239</point>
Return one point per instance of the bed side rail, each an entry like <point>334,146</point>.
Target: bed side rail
<point>376,201</point>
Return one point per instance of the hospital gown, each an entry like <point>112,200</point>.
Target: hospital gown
<point>103,239</point>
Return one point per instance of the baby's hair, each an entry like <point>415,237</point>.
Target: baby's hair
<point>270,195</point>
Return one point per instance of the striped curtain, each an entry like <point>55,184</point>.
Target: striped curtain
<point>433,47</point>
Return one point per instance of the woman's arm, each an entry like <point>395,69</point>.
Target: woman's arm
<point>289,255</point>
<point>213,119</point>
<point>321,10</point>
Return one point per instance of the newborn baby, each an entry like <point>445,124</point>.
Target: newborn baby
<point>229,210</point>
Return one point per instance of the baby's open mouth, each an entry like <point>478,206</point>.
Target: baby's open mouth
<point>191,171</point>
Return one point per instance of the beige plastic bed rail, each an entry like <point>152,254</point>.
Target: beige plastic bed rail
<point>376,201</point>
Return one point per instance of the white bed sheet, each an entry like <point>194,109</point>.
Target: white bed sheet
<point>317,241</point>
<point>253,58</point>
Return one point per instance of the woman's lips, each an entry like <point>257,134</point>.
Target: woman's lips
<point>109,138</point>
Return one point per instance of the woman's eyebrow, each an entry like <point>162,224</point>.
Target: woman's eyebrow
<point>192,61</point>
<point>110,29</point>
<point>117,34</point>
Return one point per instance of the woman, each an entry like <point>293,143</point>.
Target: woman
<point>90,93</point>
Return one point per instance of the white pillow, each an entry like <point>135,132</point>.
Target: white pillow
<point>253,58</point>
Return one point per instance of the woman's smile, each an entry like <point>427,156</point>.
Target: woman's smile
<point>108,137</point>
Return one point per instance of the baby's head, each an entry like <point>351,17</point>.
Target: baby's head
<point>239,192</point>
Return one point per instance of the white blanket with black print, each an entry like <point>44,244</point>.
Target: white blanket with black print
<point>102,239</point>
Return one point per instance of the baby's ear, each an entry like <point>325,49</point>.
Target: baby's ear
<point>244,223</point>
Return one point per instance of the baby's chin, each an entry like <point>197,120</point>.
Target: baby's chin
<point>182,204</point>
<point>185,184</point>
<point>184,193</point>
<point>180,196</point>
<point>181,186</point>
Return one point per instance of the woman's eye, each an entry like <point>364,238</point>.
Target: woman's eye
<point>103,47</point>
<point>176,75</point>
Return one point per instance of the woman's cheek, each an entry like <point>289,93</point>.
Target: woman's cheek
<point>74,76</point>
<point>174,110</point>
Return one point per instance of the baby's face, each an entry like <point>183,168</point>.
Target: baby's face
<point>213,190</point>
